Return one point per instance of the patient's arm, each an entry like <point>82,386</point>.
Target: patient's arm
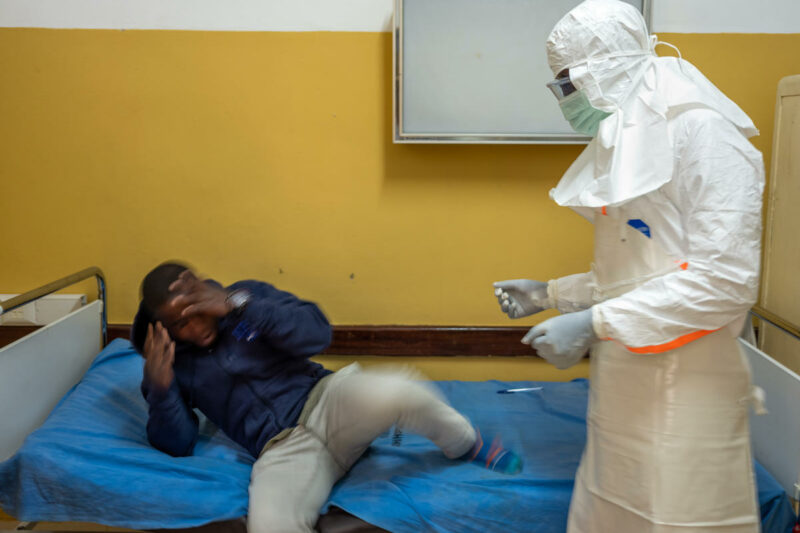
<point>292,325</point>
<point>295,326</point>
<point>172,425</point>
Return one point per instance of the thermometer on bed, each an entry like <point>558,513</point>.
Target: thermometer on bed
<point>526,389</point>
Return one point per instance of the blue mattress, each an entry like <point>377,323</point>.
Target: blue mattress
<point>90,461</point>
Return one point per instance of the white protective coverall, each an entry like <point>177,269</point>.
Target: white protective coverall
<point>674,190</point>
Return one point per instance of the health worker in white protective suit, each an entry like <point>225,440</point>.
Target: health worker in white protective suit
<point>674,190</point>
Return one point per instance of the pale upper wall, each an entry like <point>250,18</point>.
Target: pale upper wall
<point>675,16</point>
<point>726,16</point>
<point>230,15</point>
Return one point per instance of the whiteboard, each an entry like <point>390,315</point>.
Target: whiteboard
<point>475,71</point>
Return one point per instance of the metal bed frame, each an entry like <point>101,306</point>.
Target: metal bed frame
<point>775,320</point>
<point>57,285</point>
<point>785,381</point>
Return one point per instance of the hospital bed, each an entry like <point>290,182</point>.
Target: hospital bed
<point>73,448</point>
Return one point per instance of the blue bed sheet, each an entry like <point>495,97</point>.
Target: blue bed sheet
<point>90,461</point>
<point>403,484</point>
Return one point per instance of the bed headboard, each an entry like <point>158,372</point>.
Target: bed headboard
<point>38,369</point>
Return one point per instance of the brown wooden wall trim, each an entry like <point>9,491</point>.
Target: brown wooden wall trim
<point>119,331</point>
<point>9,334</point>
<point>428,340</point>
<point>384,340</point>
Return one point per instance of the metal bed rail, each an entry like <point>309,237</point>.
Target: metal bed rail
<point>57,285</point>
<point>775,320</point>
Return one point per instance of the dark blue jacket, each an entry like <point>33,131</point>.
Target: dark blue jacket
<point>252,382</point>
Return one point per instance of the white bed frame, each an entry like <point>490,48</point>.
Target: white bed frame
<point>776,435</point>
<point>38,369</point>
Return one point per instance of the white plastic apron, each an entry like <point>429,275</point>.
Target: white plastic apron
<point>668,440</point>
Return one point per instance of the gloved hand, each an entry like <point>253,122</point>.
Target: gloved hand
<point>563,340</point>
<point>521,297</point>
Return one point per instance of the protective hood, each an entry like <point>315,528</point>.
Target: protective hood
<point>611,58</point>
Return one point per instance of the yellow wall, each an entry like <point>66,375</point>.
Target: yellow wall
<point>269,155</point>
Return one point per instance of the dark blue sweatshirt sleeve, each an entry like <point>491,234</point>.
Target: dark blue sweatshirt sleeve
<point>289,324</point>
<point>171,425</point>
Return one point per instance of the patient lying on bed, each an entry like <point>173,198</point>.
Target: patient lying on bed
<point>240,355</point>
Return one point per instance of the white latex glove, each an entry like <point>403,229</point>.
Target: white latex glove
<point>563,340</point>
<point>521,297</point>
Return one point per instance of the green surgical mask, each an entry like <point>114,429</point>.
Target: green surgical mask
<point>582,116</point>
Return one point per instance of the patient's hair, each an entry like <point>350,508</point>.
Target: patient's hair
<point>155,286</point>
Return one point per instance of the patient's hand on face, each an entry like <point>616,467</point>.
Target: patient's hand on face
<point>192,312</point>
<point>159,354</point>
<point>199,298</point>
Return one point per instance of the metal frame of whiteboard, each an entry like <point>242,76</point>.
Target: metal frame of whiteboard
<point>402,137</point>
<point>38,369</point>
<point>776,435</point>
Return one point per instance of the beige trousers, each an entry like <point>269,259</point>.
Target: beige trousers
<point>293,477</point>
